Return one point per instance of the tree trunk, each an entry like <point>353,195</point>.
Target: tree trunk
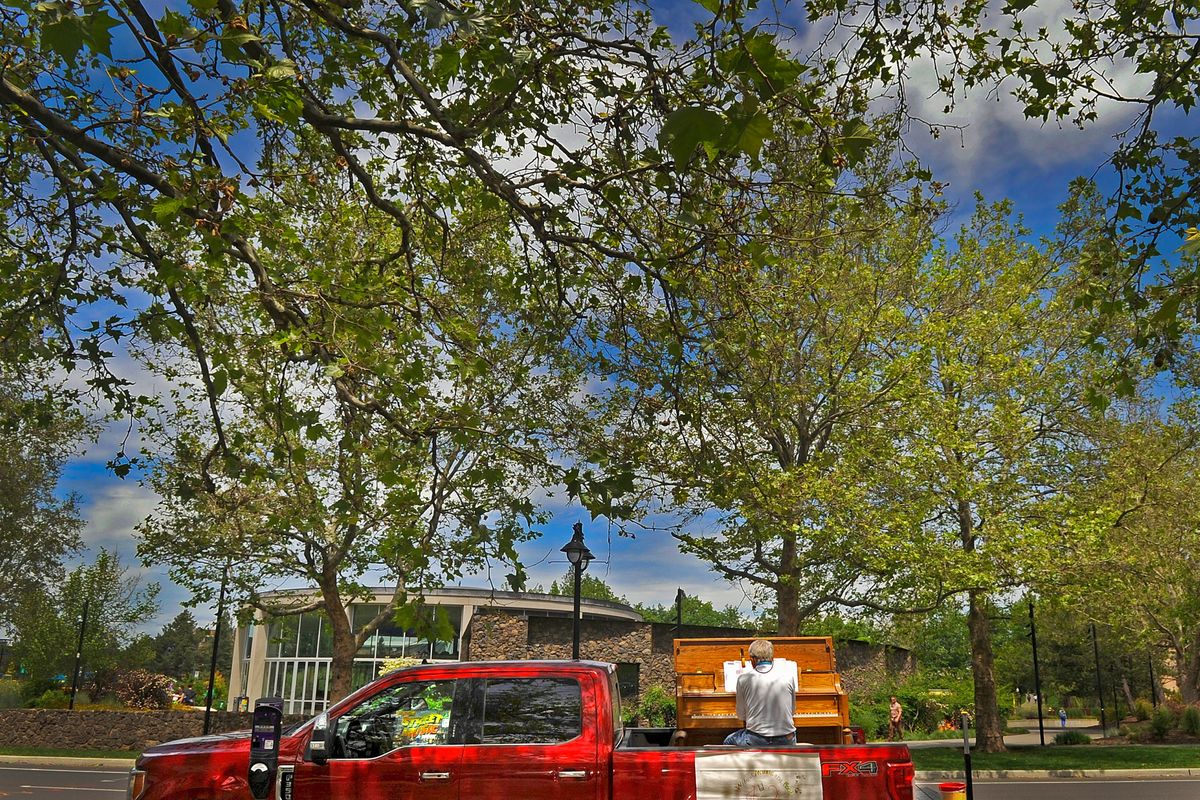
<point>989,728</point>
<point>787,601</point>
<point>1189,672</point>
<point>341,666</point>
<point>787,596</point>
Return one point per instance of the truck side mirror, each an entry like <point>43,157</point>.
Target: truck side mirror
<point>321,742</point>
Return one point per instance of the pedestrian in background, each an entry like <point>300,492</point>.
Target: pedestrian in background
<point>1062,717</point>
<point>895,721</point>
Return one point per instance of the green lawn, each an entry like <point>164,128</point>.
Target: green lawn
<point>1085,756</point>
<point>54,751</point>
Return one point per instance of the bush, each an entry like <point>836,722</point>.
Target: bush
<point>12,694</point>
<point>656,707</point>
<point>1161,722</point>
<point>35,688</point>
<point>1142,709</point>
<point>51,698</point>
<point>1072,737</point>
<point>1191,721</point>
<point>138,688</point>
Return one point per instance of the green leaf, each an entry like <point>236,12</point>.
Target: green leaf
<point>713,6</point>
<point>688,127</point>
<point>167,208</point>
<point>64,36</point>
<point>758,128</point>
<point>99,35</point>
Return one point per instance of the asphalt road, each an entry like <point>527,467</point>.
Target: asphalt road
<point>60,783</point>
<point>1076,789</point>
<point>55,783</point>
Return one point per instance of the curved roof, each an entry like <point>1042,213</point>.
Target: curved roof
<point>496,598</point>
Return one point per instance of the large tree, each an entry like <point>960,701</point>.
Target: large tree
<point>39,524</point>
<point>424,473</point>
<point>767,383</point>
<point>1136,572</point>
<point>47,620</point>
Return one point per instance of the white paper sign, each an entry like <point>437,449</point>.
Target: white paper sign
<point>735,668</point>
<point>758,775</point>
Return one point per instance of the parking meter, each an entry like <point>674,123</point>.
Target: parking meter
<point>264,745</point>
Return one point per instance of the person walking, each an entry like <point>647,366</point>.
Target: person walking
<point>1062,717</point>
<point>895,721</point>
<point>766,701</point>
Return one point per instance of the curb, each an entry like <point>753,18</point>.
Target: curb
<point>68,761</point>
<point>1018,775</point>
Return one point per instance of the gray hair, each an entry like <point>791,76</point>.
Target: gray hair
<point>762,650</point>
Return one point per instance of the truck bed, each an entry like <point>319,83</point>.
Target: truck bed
<point>646,765</point>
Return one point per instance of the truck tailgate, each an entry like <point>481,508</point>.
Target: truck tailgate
<point>869,772</point>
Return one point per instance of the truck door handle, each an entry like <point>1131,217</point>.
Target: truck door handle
<point>435,776</point>
<point>576,774</point>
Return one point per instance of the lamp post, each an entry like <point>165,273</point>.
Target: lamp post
<point>579,556</point>
<point>212,666</point>
<point>679,595</point>
<point>78,655</point>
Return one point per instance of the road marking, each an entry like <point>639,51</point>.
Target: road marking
<point>71,788</point>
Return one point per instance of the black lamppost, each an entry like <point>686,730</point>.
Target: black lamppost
<point>579,556</point>
<point>212,665</point>
<point>679,595</point>
<point>78,655</point>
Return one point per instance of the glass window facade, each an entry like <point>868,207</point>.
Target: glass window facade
<point>299,650</point>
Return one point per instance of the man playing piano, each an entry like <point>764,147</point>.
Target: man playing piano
<point>766,699</point>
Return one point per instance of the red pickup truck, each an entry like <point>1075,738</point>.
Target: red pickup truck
<point>519,730</point>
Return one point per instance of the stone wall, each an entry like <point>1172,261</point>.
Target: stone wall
<point>110,730</point>
<point>497,634</point>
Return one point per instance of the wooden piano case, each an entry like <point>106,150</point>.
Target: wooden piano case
<point>707,713</point>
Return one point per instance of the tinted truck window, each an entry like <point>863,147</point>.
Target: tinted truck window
<point>532,711</point>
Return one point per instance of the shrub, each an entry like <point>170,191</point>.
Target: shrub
<point>36,687</point>
<point>138,688</point>
<point>1191,720</point>
<point>656,707</point>
<point>51,698</point>
<point>1142,709</point>
<point>11,694</point>
<point>1161,722</point>
<point>1072,737</point>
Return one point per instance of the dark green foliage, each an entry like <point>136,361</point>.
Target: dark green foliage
<point>1072,737</point>
<point>656,707</point>
<point>1161,723</point>
<point>1190,722</point>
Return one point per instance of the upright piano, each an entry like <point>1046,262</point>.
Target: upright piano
<point>707,712</point>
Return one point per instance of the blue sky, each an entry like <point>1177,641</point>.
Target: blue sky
<point>998,152</point>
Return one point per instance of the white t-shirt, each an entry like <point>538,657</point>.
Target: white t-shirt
<point>766,699</point>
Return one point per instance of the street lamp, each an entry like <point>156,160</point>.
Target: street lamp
<point>579,556</point>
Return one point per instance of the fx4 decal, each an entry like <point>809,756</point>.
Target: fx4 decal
<point>849,769</point>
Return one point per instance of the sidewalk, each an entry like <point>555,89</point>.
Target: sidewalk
<point>1091,727</point>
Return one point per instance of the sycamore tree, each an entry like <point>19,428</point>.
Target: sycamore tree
<point>999,435</point>
<point>765,387</point>
<point>1083,63</point>
<point>426,472</point>
<point>135,134</point>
